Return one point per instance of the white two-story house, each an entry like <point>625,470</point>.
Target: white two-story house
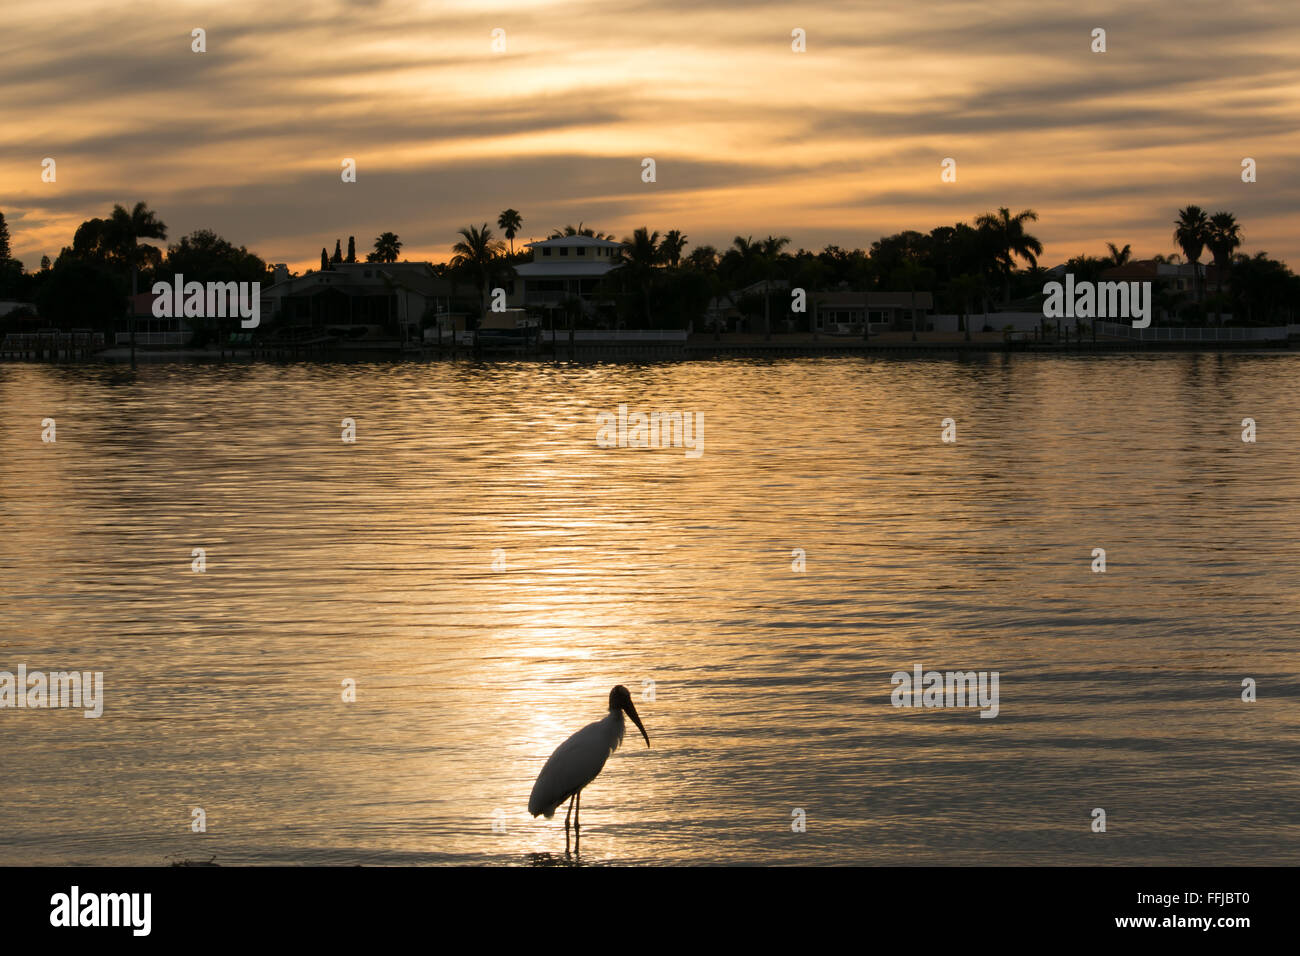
<point>564,267</point>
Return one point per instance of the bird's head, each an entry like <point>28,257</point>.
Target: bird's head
<point>621,699</point>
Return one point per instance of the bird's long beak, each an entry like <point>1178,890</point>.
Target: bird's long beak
<point>630,709</point>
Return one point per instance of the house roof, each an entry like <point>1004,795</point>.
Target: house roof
<point>1150,269</point>
<point>351,276</point>
<point>576,241</point>
<point>764,285</point>
<point>1139,269</point>
<point>142,303</point>
<point>369,288</point>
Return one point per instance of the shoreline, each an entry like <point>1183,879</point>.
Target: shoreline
<point>694,346</point>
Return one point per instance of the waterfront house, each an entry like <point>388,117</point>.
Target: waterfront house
<point>842,313</point>
<point>563,268</point>
<point>1176,276</point>
<point>726,313</point>
<point>835,313</point>
<point>150,330</point>
<point>364,300</point>
<point>1174,279</point>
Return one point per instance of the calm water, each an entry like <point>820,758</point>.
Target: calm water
<point>374,561</point>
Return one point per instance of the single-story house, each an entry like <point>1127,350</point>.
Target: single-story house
<point>370,299</point>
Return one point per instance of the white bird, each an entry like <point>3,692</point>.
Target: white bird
<point>578,760</point>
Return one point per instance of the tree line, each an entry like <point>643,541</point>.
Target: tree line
<point>969,268</point>
<point>659,281</point>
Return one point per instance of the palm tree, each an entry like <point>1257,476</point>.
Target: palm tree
<point>703,258</point>
<point>740,262</point>
<point>1008,240</point>
<point>476,253</point>
<point>1191,229</point>
<point>509,222</point>
<point>671,247</point>
<point>773,245</point>
<point>964,289</point>
<point>579,230</point>
<point>739,266</point>
<point>387,246</point>
<point>572,307</point>
<point>641,254</point>
<point>1223,238</point>
<point>908,273</point>
<point>125,229</point>
<point>769,252</point>
<point>1119,257</point>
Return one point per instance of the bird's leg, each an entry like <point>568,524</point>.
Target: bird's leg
<point>577,822</point>
<point>566,825</point>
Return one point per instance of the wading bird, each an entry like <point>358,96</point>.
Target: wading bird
<point>578,760</point>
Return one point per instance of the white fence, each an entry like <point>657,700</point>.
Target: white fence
<point>1192,334</point>
<point>48,340</point>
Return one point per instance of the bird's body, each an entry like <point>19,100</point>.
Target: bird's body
<point>578,761</point>
<point>575,763</point>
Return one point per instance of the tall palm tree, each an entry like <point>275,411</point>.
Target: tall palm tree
<point>740,262</point>
<point>125,229</point>
<point>509,222</point>
<point>1009,240</point>
<point>387,246</point>
<point>908,273</point>
<point>674,242</point>
<point>641,254</point>
<point>1191,229</point>
<point>963,290</point>
<point>476,253</point>
<point>1119,257</point>
<point>740,265</point>
<point>1223,238</point>
<point>769,252</point>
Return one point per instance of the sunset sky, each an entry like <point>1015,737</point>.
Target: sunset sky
<point>840,144</point>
